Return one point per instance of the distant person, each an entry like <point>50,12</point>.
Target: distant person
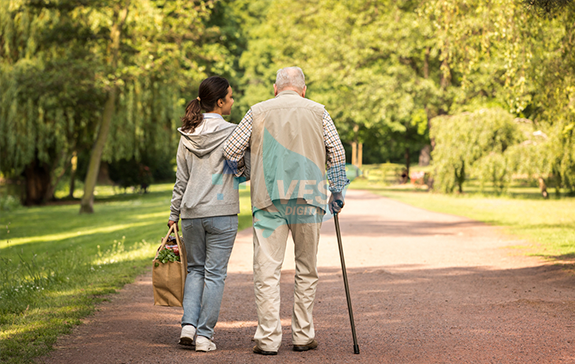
<point>291,140</point>
<point>207,201</point>
<point>404,176</point>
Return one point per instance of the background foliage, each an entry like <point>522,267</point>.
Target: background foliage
<point>389,72</point>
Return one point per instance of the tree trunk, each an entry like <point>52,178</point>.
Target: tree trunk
<point>460,178</point>
<point>74,163</point>
<point>445,74</point>
<point>407,163</point>
<point>354,153</point>
<point>425,155</point>
<point>87,204</point>
<point>426,63</point>
<point>359,155</point>
<point>543,187</point>
<point>38,178</point>
<point>354,144</point>
<point>53,185</point>
<point>557,183</point>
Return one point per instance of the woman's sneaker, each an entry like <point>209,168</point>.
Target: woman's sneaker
<point>204,344</point>
<point>187,335</point>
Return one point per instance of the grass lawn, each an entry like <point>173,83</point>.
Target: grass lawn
<point>55,264</point>
<point>548,225</point>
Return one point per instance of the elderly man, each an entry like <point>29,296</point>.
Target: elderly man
<point>291,140</point>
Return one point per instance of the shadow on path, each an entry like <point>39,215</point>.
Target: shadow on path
<point>426,288</point>
<point>444,315</point>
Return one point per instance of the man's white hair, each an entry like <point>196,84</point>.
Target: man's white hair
<point>290,77</point>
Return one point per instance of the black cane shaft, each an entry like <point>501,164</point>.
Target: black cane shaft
<point>346,285</point>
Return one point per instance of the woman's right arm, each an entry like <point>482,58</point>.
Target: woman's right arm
<point>182,177</point>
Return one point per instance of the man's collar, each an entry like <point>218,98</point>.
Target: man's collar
<point>288,92</point>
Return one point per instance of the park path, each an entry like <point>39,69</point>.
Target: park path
<point>426,288</point>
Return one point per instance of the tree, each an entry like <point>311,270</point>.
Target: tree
<point>504,54</point>
<point>152,58</point>
<point>72,71</point>
<point>475,142</point>
<point>533,157</point>
<point>369,62</point>
<point>554,107</point>
<point>119,17</point>
<point>48,93</point>
<point>549,7</point>
<point>228,26</point>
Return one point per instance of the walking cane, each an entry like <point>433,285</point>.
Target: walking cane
<point>345,282</point>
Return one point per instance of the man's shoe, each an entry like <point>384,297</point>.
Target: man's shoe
<point>309,346</point>
<point>204,344</point>
<point>187,335</point>
<point>260,351</point>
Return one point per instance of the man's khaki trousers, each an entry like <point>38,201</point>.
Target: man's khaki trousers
<point>271,228</point>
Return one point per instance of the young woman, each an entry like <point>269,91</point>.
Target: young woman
<point>206,200</point>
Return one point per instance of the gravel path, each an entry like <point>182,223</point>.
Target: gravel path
<point>426,288</point>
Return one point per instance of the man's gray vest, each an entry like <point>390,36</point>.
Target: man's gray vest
<point>288,152</point>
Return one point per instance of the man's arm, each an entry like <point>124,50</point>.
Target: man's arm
<point>237,144</point>
<point>335,162</point>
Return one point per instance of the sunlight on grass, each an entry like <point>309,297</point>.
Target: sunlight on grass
<point>67,235</point>
<point>118,253</point>
<point>156,215</point>
<point>548,225</point>
<point>55,264</point>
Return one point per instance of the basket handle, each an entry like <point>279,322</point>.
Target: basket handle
<point>165,240</point>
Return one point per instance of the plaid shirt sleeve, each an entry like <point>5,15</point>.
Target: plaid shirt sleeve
<point>335,156</point>
<point>237,144</point>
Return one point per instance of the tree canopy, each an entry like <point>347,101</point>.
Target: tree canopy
<point>110,79</point>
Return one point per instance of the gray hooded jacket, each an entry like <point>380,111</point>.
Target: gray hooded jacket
<point>204,185</point>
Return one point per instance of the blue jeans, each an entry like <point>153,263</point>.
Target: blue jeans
<point>209,243</point>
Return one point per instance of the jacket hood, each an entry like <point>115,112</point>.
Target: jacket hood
<point>202,144</point>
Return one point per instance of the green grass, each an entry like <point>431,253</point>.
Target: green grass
<point>548,226</point>
<point>55,264</point>
<point>387,175</point>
